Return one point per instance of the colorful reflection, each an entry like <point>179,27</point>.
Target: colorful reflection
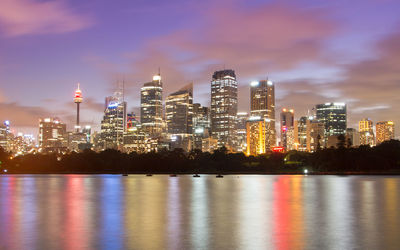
<point>236,212</point>
<point>288,213</point>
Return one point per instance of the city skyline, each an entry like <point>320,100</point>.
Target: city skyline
<point>41,60</point>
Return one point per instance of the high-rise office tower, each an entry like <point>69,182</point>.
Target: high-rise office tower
<point>287,122</point>
<point>224,107</point>
<point>77,99</point>
<point>366,130</point>
<point>179,111</point>
<point>151,106</point>
<point>262,104</point>
<point>114,122</point>
<point>384,131</point>
<point>334,118</point>
<point>52,135</point>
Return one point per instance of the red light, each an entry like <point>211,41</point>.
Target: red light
<point>278,149</point>
<point>284,128</point>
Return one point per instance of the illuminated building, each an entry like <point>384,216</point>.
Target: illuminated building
<point>334,118</point>
<point>114,122</point>
<point>291,138</point>
<point>256,128</point>
<point>287,122</point>
<point>52,135</point>
<point>201,125</point>
<point>179,111</point>
<point>22,144</point>
<point>384,131</point>
<point>77,141</point>
<point>309,135</point>
<point>209,144</point>
<point>132,122</point>
<point>262,104</point>
<point>224,107</point>
<point>139,143</point>
<point>366,130</point>
<point>151,107</point>
<point>87,131</point>
<point>4,132</point>
<point>77,99</point>
<point>241,131</point>
<point>182,141</point>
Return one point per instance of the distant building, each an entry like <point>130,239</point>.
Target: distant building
<point>301,133</point>
<point>139,143</point>
<point>209,144</point>
<point>291,138</point>
<point>287,122</point>
<point>201,125</point>
<point>315,135</point>
<point>4,134</point>
<point>179,111</point>
<point>384,131</point>
<point>224,107</point>
<point>352,137</point>
<point>334,118</point>
<point>262,104</point>
<point>151,107</point>
<point>132,123</point>
<point>53,137</point>
<point>366,130</point>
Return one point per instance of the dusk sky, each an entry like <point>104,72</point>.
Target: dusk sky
<point>315,51</point>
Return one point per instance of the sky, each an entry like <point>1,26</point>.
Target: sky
<point>315,51</point>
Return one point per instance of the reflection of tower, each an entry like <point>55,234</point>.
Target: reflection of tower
<point>77,99</point>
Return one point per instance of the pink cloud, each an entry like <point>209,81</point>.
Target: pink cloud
<point>21,17</point>
<point>253,41</point>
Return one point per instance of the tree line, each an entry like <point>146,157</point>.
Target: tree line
<point>382,159</point>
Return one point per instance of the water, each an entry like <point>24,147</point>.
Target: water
<point>235,212</point>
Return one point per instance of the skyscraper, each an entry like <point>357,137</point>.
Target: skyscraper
<point>287,122</point>
<point>179,111</point>
<point>151,107</point>
<point>366,130</point>
<point>114,122</point>
<point>334,118</point>
<point>262,104</point>
<point>384,131</point>
<point>52,135</point>
<point>224,107</point>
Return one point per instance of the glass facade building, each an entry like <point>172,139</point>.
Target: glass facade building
<point>224,107</point>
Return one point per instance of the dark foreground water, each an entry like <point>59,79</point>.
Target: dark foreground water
<point>236,212</point>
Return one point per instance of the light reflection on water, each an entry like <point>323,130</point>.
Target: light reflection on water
<point>236,212</point>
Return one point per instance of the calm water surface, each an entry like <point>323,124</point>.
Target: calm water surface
<point>236,212</point>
